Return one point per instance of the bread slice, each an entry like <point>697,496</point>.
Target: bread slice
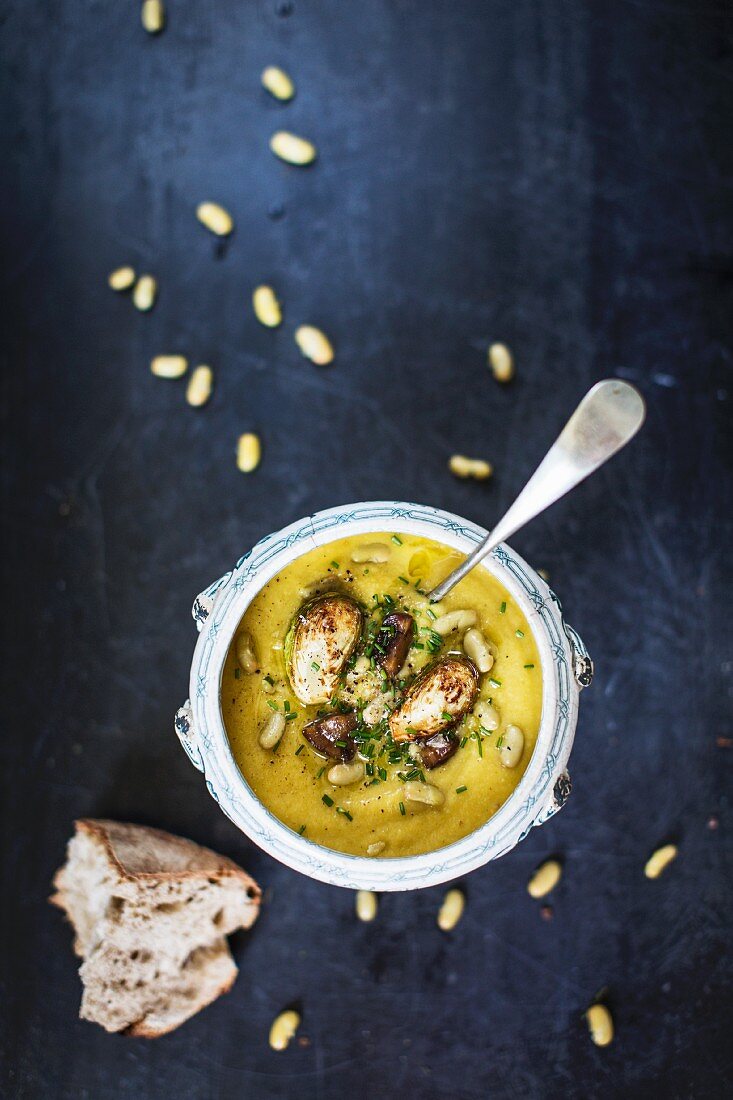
<point>150,913</point>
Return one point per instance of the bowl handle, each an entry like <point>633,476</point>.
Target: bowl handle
<point>204,602</point>
<point>582,662</point>
<point>183,725</point>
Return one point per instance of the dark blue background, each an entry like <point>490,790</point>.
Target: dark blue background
<point>556,175</point>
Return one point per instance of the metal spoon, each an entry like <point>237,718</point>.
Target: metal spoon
<point>609,415</point>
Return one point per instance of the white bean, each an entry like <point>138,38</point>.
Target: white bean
<point>272,730</point>
<point>366,905</point>
<point>377,552</point>
<point>600,1025</point>
<point>430,795</point>
<point>451,910</point>
<point>152,16</point>
<point>341,775</point>
<point>454,620</point>
<point>511,746</point>
<point>245,650</point>
<point>476,648</point>
<point>487,715</point>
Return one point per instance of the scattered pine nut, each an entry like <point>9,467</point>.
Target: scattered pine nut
<point>376,848</point>
<point>152,16</point>
<point>198,390</point>
<point>292,149</point>
<point>145,293</point>
<point>600,1025</point>
<point>501,362</point>
<point>314,345</point>
<point>366,905</point>
<point>283,1029</point>
<point>215,218</point>
<point>660,860</point>
<point>470,467</point>
<point>278,83</point>
<point>169,366</point>
<point>451,910</point>
<point>249,452</point>
<point>121,278</point>
<point>545,879</point>
<point>266,306</point>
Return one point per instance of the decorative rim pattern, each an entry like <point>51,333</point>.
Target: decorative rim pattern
<point>532,802</point>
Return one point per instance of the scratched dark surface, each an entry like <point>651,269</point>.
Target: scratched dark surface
<point>555,175</point>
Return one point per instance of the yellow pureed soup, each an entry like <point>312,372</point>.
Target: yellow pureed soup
<point>419,719</point>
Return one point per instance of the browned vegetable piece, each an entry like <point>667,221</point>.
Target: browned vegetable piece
<point>437,749</point>
<point>331,736</point>
<point>437,700</point>
<point>393,641</point>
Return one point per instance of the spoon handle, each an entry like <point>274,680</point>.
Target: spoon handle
<point>609,415</point>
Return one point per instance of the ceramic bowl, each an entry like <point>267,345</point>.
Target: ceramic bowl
<point>545,786</point>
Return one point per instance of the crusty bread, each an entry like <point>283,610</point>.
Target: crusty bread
<point>150,913</point>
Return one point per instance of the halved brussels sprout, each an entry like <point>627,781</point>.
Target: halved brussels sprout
<point>438,698</point>
<point>324,634</point>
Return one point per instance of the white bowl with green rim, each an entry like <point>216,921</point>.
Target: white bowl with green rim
<point>545,785</point>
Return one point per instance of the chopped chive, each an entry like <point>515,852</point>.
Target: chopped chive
<point>327,799</point>
<point>340,744</point>
<point>291,716</point>
<point>403,579</point>
<point>495,683</point>
<point>268,679</point>
<point>480,746</point>
<point>463,742</point>
<point>418,645</point>
<point>299,750</point>
<point>341,810</point>
<point>315,666</point>
<point>500,741</point>
<point>335,564</point>
<point>237,673</point>
<point>519,633</point>
<point>272,704</point>
<point>446,716</point>
<point>502,609</point>
<point>430,614</point>
<point>460,790</point>
<point>529,666</point>
<point>397,540</point>
<point>301,830</point>
<point>366,572</point>
<point>286,706</point>
<point>418,583</point>
<point>370,769</point>
<point>320,772</point>
<point>402,808</point>
<point>382,772</point>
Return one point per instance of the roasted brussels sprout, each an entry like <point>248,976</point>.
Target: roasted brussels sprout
<point>393,641</point>
<point>331,736</point>
<point>438,698</point>
<point>324,634</point>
